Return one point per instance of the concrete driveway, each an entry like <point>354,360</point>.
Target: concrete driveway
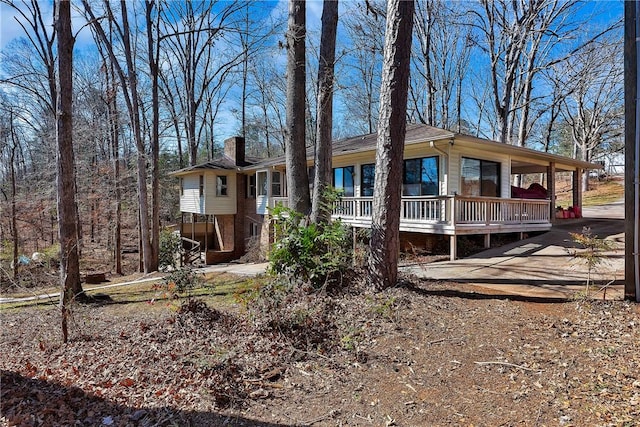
<point>542,266</point>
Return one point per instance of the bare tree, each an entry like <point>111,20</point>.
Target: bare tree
<point>595,108</point>
<point>519,39</point>
<point>441,60</point>
<point>67,215</point>
<point>392,122</point>
<point>360,86</point>
<point>197,73</point>
<point>322,176</point>
<point>41,83</point>
<point>295,147</point>
<point>128,76</point>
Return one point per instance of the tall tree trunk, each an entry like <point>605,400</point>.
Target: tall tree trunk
<point>14,215</point>
<point>322,178</point>
<point>153,52</point>
<point>295,148</point>
<point>392,122</point>
<point>143,196</point>
<point>66,203</point>
<point>128,81</point>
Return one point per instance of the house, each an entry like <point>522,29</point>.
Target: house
<point>453,185</point>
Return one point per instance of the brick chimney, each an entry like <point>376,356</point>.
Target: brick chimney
<point>234,149</point>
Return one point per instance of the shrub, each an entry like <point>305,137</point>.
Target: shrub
<point>591,253</point>
<point>309,253</point>
<point>169,247</point>
<point>180,282</point>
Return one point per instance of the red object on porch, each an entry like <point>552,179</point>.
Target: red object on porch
<point>535,191</point>
<point>578,211</point>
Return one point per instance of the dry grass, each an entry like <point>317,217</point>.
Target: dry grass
<point>600,193</point>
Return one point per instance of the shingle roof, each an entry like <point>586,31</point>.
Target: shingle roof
<point>415,133</point>
<point>223,162</point>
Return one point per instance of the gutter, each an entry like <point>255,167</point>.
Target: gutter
<point>446,156</point>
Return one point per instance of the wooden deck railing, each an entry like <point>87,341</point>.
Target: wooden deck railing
<point>452,210</point>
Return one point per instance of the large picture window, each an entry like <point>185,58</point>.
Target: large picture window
<point>368,175</point>
<point>420,177</point>
<point>343,180</point>
<point>480,177</point>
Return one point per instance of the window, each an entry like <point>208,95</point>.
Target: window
<point>276,183</point>
<point>182,186</point>
<point>261,178</point>
<point>367,174</point>
<point>420,177</point>
<point>221,185</point>
<point>201,187</point>
<point>251,186</point>
<point>480,177</point>
<point>343,180</point>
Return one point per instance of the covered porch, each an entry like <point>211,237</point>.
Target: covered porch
<point>451,215</point>
<point>207,238</point>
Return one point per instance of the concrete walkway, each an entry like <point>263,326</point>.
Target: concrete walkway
<point>542,266</point>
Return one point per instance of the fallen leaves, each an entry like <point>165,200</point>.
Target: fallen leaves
<point>434,360</point>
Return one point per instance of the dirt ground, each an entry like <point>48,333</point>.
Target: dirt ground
<point>423,353</point>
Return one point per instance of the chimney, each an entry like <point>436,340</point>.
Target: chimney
<point>234,149</point>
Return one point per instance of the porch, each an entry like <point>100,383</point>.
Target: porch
<point>207,238</point>
<point>451,215</point>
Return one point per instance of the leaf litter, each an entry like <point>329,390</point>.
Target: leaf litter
<point>417,354</point>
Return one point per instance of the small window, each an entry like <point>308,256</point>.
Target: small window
<point>251,186</point>
<point>367,177</point>
<point>201,185</point>
<point>343,180</point>
<point>221,185</point>
<point>253,229</point>
<point>276,183</point>
<point>262,183</point>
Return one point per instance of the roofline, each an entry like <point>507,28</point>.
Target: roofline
<point>445,136</point>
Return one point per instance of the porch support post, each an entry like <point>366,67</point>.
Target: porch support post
<point>551,189</point>
<point>193,226</point>
<point>453,250</point>
<point>577,188</point>
<point>181,242</point>
<point>487,240</point>
<point>206,235</point>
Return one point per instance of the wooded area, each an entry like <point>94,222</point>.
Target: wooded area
<point>157,85</point>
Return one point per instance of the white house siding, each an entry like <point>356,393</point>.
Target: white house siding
<point>190,200</point>
<point>220,205</point>
<point>454,169</point>
<point>210,204</point>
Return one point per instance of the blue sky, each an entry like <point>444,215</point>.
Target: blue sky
<point>598,13</point>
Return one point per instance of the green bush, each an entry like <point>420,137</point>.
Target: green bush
<point>309,253</point>
<point>169,247</point>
